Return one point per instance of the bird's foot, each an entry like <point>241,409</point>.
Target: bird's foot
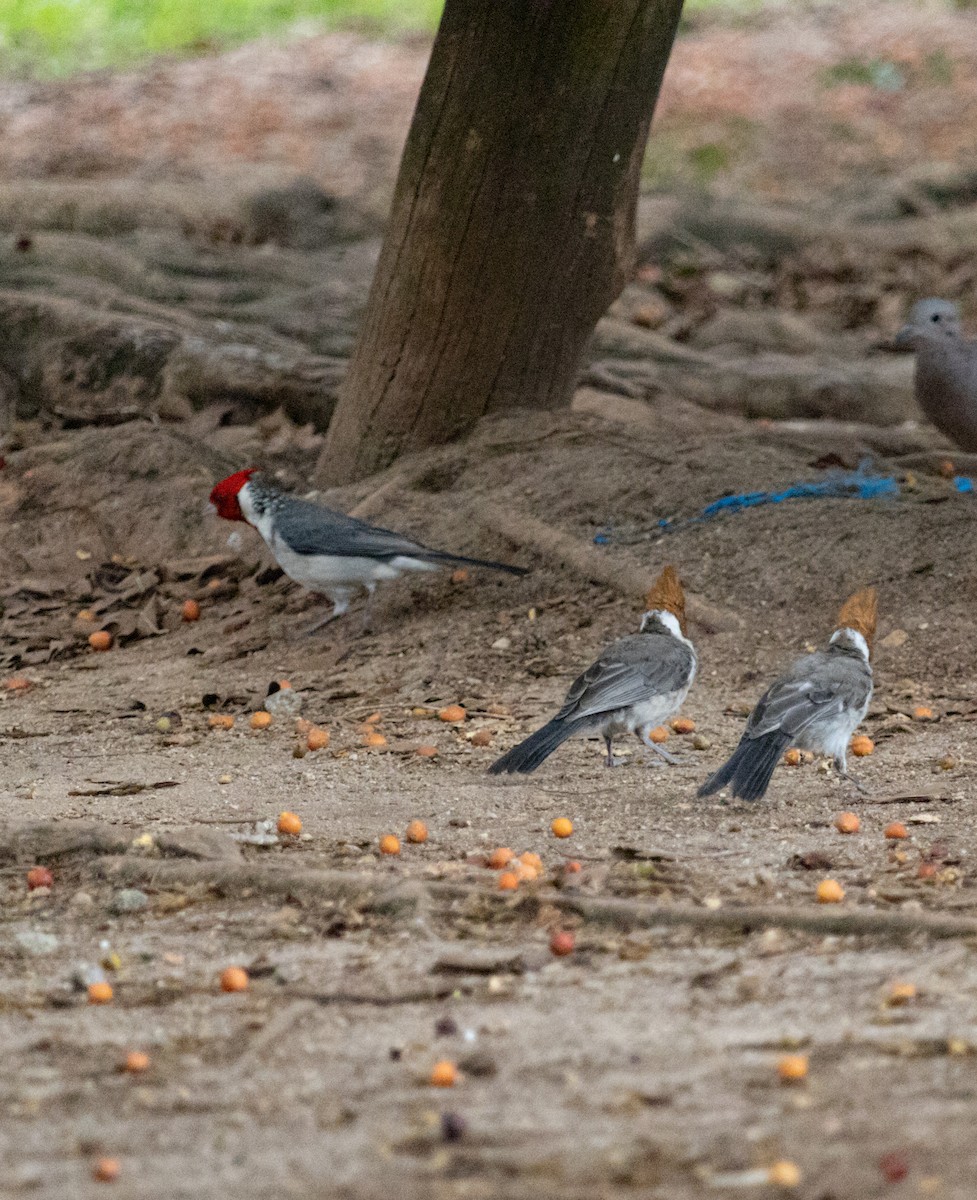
<point>326,620</point>
<point>663,755</point>
<point>844,773</point>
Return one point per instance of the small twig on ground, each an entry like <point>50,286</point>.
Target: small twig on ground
<point>379,894</point>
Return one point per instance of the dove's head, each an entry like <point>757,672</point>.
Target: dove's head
<point>929,320</point>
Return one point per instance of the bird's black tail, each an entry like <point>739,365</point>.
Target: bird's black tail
<point>749,767</point>
<point>528,755</point>
<point>459,560</point>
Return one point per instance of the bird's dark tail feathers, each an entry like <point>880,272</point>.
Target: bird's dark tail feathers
<point>459,560</point>
<point>749,767</point>
<point>528,755</point>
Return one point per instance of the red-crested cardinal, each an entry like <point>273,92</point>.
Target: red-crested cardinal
<point>817,704</point>
<point>636,684</point>
<point>327,551</point>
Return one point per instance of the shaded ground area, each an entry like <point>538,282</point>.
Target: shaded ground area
<point>645,1063</point>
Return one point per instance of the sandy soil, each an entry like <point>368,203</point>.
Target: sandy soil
<point>645,1063</point>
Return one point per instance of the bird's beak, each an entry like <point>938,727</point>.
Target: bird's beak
<point>210,510</point>
<point>904,338</point>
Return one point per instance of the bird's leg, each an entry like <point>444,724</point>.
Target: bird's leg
<point>644,735</point>
<point>340,603</point>
<point>841,766</point>
<point>371,587</point>
<point>611,761</point>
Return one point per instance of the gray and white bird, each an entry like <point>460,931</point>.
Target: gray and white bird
<point>327,551</point>
<point>636,684</point>
<point>946,369</point>
<point>817,704</point>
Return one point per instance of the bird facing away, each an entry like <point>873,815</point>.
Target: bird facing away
<point>817,704</point>
<point>636,684</point>
<point>946,369</point>
<point>327,551</point>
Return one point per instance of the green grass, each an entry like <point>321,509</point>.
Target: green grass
<point>56,37</point>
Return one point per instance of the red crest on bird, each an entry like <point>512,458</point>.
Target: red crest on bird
<point>223,495</point>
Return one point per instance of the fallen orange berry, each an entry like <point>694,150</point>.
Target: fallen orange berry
<point>100,993</point>
<point>106,1170</point>
<point>927,870</point>
<point>922,713</point>
<point>572,867</point>
<point>452,714</point>
<point>426,751</point>
<point>901,993</point>
<point>683,725</point>
<point>659,734</point>
<point>508,881</point>
<point>86,614</point>
<point>38,877</point>
<point>529,859</point>
<point>444,1074</point>
<point>562,942</point>
<point>389,844</point>
<point>460,575</point>
<point>896,831</point>
<point>374,719</point>
<point>791,1067</point>
<point>793,758</point>
<point>847,822</point>
<point>500,858</point>
<point>190,610</point>
<point>290,823</point>
<point>562,827</point>
<point>830,891</point>
<point>374,739</point>
<point>220,721</point>
<point>525,872</point>
<point>784,1174</point>
<point>417,832</point>
<point>318,739</point>
<point>18,684</point>
<point>481,737</point>
<point>260,719</point>
<point>861,746</point>
<point>234,979</point>
<point>100,640</point>
<point>135,1062</point>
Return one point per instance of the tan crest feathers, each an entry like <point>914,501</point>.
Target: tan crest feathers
<point>667,594</point>
<point>859,612</point>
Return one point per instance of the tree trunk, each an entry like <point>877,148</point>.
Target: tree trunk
<point>512,226</point>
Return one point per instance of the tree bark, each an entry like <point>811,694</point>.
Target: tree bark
<point>512,226</point>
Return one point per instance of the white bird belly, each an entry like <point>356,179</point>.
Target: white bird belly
<point>646,714</point>
<point>832,736</point>
<point>328,572</point>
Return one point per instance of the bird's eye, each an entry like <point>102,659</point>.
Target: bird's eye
<point>935,317</point>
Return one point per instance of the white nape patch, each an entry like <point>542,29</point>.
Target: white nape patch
<point>853,636</point>
<point>247,507</point>
<point>669,620</point>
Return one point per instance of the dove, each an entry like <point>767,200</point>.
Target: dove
<point>946,369</point>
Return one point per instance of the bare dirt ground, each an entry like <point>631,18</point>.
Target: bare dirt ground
<point>644,1064</point>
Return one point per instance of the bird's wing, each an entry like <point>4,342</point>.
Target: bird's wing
<point>629,671</point>
<point>815,688</point>
<point>314,529</point>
